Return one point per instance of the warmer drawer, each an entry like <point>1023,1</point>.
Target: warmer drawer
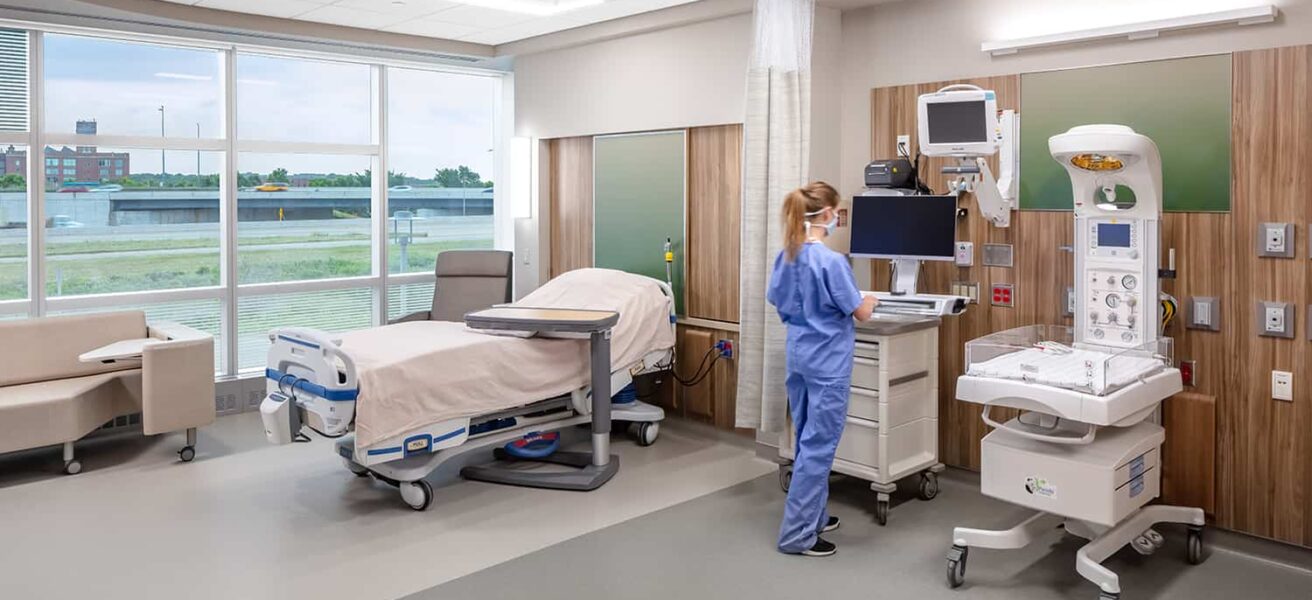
<point>863,403</point>
<point>867,350</point>
<point>865,373</point>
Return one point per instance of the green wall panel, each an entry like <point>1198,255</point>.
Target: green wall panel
<point>638,203</point>
<point>1182,104</point>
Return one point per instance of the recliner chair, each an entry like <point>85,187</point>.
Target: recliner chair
<point>467,280</point>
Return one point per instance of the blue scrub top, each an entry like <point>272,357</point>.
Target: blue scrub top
<point>816,295</point>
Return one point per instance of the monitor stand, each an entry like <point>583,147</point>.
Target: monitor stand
<point>906,274</point>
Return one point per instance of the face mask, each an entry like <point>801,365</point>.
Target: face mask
<point>829,227</point>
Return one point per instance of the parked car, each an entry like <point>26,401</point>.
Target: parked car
<point>109,187</point>
<point>272,186</point>
<point>400,188</point>
<point>64,222</point>
<point>74,189</point>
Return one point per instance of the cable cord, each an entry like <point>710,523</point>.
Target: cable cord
<point>703,369</point>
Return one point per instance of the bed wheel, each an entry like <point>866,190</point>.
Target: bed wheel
<point>928,485</point>
<point>645,433</point>
<point>355,469</point>
<point>417,494</point>
<point>72,467</point>
<point>187,453</point>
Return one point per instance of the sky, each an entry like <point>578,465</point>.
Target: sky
<point>435,119</point>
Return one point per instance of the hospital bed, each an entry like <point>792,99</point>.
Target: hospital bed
<point>406,398</point>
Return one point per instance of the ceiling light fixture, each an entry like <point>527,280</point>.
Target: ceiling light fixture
<point>1136,31</point>
<point>540,8</point>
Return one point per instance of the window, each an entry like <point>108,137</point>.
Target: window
<point>137,182</point>
<point>440,194</point>
<point>139,89</point>
<point>296,100</point>
<point>13,236</point>
<point>318,228</point>
<point>157,235</point>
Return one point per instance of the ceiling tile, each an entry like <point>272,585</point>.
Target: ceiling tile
<point>350,17</point>
<point>483,18</point>
<point>536,27</point>
<point>433,29</point>
<point>614,9</point>
<point>407,9</point>
<point>282,8</point>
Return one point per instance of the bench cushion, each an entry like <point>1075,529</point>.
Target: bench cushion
<point>46,349</point>
<point>63,410</point>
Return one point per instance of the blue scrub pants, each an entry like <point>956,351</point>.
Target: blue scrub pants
<point>819,409</point>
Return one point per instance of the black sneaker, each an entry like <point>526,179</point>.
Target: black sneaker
<point>821,548</point>
<point>830,525</point>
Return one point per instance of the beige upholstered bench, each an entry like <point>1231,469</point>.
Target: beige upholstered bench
<point>48,396</point>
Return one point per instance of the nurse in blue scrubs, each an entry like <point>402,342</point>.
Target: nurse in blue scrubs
<point>815,292</point>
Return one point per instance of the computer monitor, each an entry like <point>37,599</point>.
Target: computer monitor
<point>904,227</point>
<point>960,123</point>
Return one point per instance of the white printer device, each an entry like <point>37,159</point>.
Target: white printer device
<point>1086,454</point>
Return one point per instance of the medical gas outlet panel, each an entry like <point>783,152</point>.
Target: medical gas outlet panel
<point>1116,291</point>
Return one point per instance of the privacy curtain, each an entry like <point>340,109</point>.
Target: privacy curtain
<point>776,141</point>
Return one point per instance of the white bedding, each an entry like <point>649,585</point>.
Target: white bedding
<point>1080,369</point>
<point>414,374</point>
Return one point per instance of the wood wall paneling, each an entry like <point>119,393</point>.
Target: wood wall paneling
<point>1265,453</point>
<point>1189,455</point>
<point>714,209</point>
<point>571,203</point>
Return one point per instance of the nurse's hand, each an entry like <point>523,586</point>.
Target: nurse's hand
<point>867,308</point>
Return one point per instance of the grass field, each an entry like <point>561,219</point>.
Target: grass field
<point>123,272</point>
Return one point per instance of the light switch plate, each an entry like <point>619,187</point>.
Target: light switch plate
<point>1275,319</point>
<point>1068,302</point>
<point>968,289</point>
<point>998,255</point>
<point>1282,386</point>
<point>1275,240</point>
<point>1204,313</point>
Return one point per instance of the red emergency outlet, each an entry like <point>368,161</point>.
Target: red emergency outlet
<point>1002,294</point>
<point>1187,372</point>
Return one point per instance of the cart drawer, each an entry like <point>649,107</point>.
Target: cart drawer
<point>860,442</point>
<point>865,373</point>
<point>863,403</point>
<point>867,350</point>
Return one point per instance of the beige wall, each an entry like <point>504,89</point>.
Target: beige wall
<point>930,40</point>
<point>679,77</point>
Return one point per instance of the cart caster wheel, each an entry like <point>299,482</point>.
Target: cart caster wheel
<point>1194,547</point>
<point>355,468</point>
<point>928,485</point>
<point>881,512</point>
<point>1108,596</point>
<point>187,453</point>
<point>1143,546</point>
<point>417,494</point>
<point>1156,538</point>
<point>646,433</point>
<point>957,566</point>
<point>785,478</point>
<point>72,467</point>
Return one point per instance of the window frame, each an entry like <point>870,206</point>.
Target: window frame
<point>39,303</point>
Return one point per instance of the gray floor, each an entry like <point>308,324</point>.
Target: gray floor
<point>722,546</point>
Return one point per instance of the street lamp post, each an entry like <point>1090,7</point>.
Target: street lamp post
<point>198,156</point>
<point>162,169</point>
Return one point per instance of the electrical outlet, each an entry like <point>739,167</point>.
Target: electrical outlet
<point>725,347</point>
<point>1204,313</point>
<point>1282,386</point>
<point>1188,372</point>
<point>1068,304</point>
<point>1275,240</point>
<point>1275,319</point>
<point>904,146</point>
<point>1003,295</point>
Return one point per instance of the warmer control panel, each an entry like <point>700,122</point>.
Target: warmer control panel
<point>1114,239</point>
<point>1115,306</point>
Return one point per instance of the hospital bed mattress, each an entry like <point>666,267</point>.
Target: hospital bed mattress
<point>414,374</point>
